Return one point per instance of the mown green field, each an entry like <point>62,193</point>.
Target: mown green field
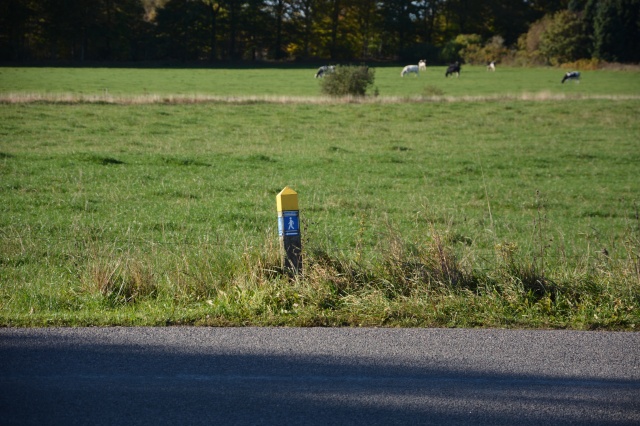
<point>474,81</point>
<point>500,211</point>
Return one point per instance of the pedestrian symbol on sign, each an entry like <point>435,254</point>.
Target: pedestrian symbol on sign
<point>291,223</point>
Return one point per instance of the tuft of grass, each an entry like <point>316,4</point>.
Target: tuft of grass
<point>104,160</point>
<point>432,91</point>
<point>119,281</point>
<point>184,162</point>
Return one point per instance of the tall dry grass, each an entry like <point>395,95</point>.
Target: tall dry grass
<point>62,98</point>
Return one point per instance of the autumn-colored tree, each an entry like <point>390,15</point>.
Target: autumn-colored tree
<point>555,39</point>
<point>564,38</point>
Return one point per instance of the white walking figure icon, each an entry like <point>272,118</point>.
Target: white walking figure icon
<point>292,225</point>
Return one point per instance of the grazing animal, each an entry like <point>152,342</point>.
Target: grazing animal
<point>491,66</point>
<point>325,69</point>
<point>571,75</point>
<point>453,69</point>
<point>410,69</point>
<point>422,65</point>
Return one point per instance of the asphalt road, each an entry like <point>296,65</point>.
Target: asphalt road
<point>317,376</point>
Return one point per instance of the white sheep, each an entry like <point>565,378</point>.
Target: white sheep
<point>410,69</point>
<point>491,66</point>
<point>422,65</point>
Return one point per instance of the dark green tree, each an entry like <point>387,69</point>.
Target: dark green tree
<point>427,14</point>
<point>214,9</point>
<point>335,14</point>
<point>544,7</point>
<point>508,19</point>
<point>20,33</point>
<point>72,29</point>
<point>616,30</point>
<point>130,30</point>
<point>183,30</point>
<point>467,17</point>
<point>280,9</point>
<point>120,33</point>
<point>364,21</point>
<point>398,29</point>
<point>303,18</point>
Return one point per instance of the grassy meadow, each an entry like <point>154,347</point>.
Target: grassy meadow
<point>140,85</point>
<point>147,197</point>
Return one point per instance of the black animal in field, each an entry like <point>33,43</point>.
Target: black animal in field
<point>325,69</point>
<point>453,69</point>
<point>571,75</point>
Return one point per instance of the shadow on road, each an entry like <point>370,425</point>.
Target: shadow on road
<point>52,378</point>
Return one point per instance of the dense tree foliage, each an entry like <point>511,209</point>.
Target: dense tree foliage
<point>616,29</point>
<point>565,38</point>
<point>544,31</point>
<point>606,30</point>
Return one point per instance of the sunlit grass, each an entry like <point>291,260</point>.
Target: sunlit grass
<point>299,83</point>
<point>461,210</point>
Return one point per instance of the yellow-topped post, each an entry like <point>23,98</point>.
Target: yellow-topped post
<point>289,230</point>
<point>287,200</point>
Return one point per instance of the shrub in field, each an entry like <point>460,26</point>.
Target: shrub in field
<point>348,80</point>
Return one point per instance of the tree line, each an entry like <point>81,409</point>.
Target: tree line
<point>526,31</point>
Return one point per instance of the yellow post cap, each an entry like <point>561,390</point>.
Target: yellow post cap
<point>287,199</point>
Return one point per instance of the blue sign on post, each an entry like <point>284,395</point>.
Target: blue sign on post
<point>289,230</point>
<point>289,224</point>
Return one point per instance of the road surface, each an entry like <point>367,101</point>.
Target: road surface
<point>317,376</point>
